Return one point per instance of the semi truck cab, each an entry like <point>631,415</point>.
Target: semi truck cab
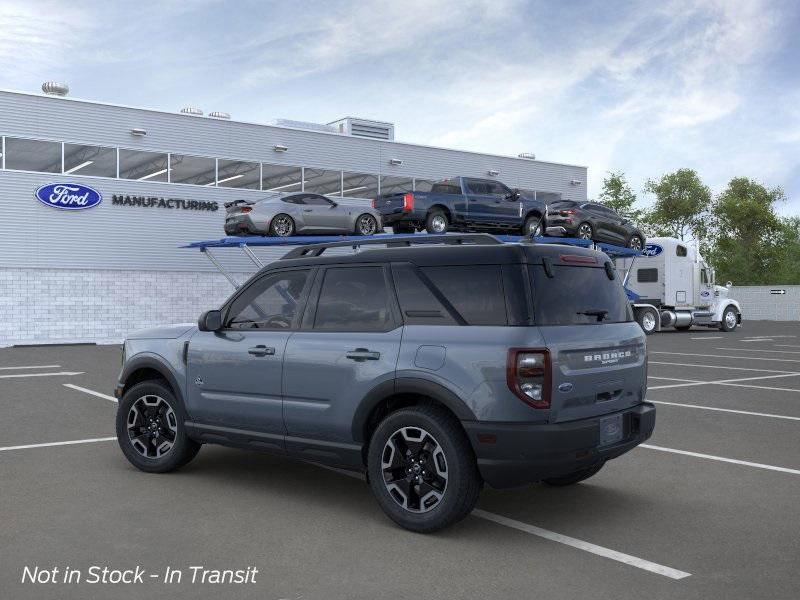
<point>673,286</point>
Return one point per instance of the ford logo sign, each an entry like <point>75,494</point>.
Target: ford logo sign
<point>652,250</point>
<point>68,196</point>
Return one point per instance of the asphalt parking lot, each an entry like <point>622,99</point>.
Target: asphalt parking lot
<point>708,509</point>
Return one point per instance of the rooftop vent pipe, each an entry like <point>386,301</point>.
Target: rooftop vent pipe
<point>53,88</point>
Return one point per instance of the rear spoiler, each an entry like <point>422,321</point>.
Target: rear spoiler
<point>238,203</point>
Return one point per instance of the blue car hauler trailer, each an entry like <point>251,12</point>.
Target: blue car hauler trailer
<point>646,315</point>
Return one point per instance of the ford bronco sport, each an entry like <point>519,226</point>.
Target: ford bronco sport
<point>431,368</point>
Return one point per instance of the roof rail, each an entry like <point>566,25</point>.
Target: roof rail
<point>478,239</point>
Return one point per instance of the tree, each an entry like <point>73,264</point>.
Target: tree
<point>751,244</point>
<point>618,195</point>
<point>681,206</point>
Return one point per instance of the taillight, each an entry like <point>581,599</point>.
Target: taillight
<point>374,203</point>
<point>528,376</point>
<point>246,209</point>
<point>408,202</point>
<point>569,211</point>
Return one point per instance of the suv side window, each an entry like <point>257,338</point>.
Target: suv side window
<point>417,303</point>
<point>475,291</point>
<point>446,187</point>
<point>497,189</point>
<point>354,299</point>
<point>270,302</point>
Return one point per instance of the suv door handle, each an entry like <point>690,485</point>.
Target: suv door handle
<point>307,210</point>
<point>261,350</point>
<point>361,354</point>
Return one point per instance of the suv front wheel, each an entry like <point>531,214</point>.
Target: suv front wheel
<point>422,469</point>
<point>151,430</point>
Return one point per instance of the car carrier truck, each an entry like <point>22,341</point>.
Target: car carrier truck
<point>670,285</point>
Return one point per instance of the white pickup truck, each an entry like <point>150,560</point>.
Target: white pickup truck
<point>674,287</point>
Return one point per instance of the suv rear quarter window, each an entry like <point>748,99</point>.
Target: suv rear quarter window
<point>475,291</point>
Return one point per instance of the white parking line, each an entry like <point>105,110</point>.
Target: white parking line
<point>91,392</point>
<point>708,337</point>
<point>727,356</point>
<point>639,563</point>
<point>728,410</point>
<point>758,350</point>
<point>557,537</point>
<point>31,367</point>
<point>736,382</point>
<point>68,443</point>
<point>721,459</point>
<point>757,340</point>
<point>65,373</point>
<point>787,346</point>
<point>657,362</point>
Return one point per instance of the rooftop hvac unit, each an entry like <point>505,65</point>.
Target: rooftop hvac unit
<point>376,130</point>
<point>527,155</point>
<point>192,110</point>
<point>53,88</point>
<point>215,114</point>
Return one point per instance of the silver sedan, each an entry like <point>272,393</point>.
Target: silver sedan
<point>299,213</point>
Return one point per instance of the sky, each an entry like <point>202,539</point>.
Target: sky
<point>639,87</point>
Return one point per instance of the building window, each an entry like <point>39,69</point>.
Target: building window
<point>33,155</point>
<point>90,160</point>
<point>280,178</point>
<point>423,185</point>
<point>195,170</point>
<point>320,181</point>
<point>359,185</point>
<point>143,166</point>
<point>396,185</point>
<point>238,174</point>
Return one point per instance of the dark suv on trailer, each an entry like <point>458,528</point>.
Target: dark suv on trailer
<point>593,221</point>
<point>434,369</point>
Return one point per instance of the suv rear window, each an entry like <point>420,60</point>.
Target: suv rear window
<point>574,291</point>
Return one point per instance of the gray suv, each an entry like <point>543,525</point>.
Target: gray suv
<point>433,369</point>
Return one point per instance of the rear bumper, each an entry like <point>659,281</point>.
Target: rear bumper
<point>570,229</point>
<point>524,453</point>
<point>242,225</point>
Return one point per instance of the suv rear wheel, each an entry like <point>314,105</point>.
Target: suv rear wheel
<point>150,429</point>
<point>574,477</point>
<point>422,469</point>
<point>533,226</point>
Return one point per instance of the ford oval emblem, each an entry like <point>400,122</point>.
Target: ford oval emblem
<point>68,196</point>
<point>652,250</point>
<point>565,387</point>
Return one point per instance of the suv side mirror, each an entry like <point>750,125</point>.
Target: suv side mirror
<point>334,204</point>
<point>211,320</point>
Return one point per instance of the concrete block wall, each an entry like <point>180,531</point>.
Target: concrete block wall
<point>103,306</point>
<point>758,303</point>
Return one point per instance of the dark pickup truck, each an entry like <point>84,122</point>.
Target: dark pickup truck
<point>463,204</point>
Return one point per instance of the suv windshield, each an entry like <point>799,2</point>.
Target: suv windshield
<point>577,296</point>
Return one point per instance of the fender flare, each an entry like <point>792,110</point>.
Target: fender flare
<point>407,385</point>
<point>723,306</point>
<point>150,361</point>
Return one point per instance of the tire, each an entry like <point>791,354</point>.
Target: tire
<point>729,320</point>
<point>403,228</point>
<point>647,320</point>
<point>437,222</point>
<point>456,476</point>
<point>140,451</point>
<point>585,231</point>
<point>532,227</point>
<point>573,478</point>
<point>366,224</point>
<point>635,242</point>
<point>282,225</point>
